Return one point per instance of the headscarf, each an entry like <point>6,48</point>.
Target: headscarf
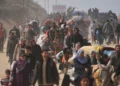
<point>20,65</point>
<point>82,60</point>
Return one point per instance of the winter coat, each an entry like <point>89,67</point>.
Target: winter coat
<point>115,60</point>
<point>16,32</point>
<point>29,35</point>
<point>52,75</point>
<point>12,41</point>
<point>20,76</point>
<point>31,60</point>
<point>80,63</point>
<point>36,52</point>
<point>118,29</point>
<point>107,29</point>
<point>78,38</point>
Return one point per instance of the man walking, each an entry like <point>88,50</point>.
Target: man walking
<point>117,32</point>
<point>45,71</point>
<point>108,31</point>
<point>2,37</point>
<point>29,34</point>
<point>12,41</point>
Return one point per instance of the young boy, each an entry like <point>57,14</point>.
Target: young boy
<point>5,81</point>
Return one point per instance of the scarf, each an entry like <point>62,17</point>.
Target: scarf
<point>82,60</point>
<point>20,65</point>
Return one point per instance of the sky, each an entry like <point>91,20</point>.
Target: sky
<point>102,5</point>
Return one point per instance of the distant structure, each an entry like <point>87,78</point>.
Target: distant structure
<point>59,8</point>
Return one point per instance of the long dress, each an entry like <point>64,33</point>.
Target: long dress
<point>21,74</point>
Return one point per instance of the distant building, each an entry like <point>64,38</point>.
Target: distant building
<point>58,8</point>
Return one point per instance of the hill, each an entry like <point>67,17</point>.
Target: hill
<point>13,11</point>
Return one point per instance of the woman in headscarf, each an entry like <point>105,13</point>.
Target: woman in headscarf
<point>82,66</point>
<point>21,72</point>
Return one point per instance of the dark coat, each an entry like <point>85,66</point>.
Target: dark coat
<point>36,52</point>
<point>31,60</point>
<point>108,28</point>
<point>80,68</point>
<point>93,61</point>
<point>52,75</point>
<point>21,78</point>
<point>12,41</point>
<point>15,31</point>
<point>118,29</point>
<point>115,60</point>
<point>30,34</point>
<point>78,38</point>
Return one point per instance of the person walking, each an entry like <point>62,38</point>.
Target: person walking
<point>82,66</point>
<point>108,32</point>
<point>2,37</point>
<point>12,41</point>
<point>68,40</point>
<point>29,34</point>
<point>45,71</point>
<point>36,50</point>
<point>20,47</point>
<point>93,27</point>
<point>21,71</point>
<point>117,33</point>
<point>16,32</point>
<point>78,37</point>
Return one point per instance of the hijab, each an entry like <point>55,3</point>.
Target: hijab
<point>83,59</point>
<point>21,64</point>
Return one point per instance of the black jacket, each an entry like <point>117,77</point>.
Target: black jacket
<point>52,75</point>
<point>78,38</point>
<point>115,60</point>
<point>12,41</point>
<point>31,60</point>
<point>118,29</point>
<point>15,31</point>
<point>36,52</point>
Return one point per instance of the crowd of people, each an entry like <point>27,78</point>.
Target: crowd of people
<point>33,61</point>
<point>108,31</point>
<point>101,16</point>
